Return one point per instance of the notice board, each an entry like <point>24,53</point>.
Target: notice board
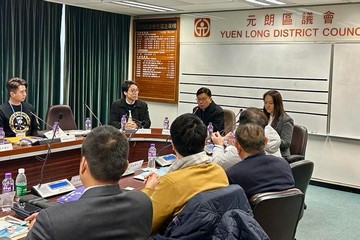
<point>156,59</point>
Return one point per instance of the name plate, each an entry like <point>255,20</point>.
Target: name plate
<point>144,131</point>
<point>67,138</point>
<point>165,132</point>
<point>6,147</point>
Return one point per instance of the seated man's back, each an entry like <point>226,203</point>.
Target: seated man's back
<point>192,172</point>
<point>261,173</point>
<point>258,172</point>
<point>104,212</point>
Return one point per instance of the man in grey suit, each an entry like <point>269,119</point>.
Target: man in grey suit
<point>104,211</point>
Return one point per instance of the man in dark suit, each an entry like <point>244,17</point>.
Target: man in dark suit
<point>208,111</point>
<point>258,172</point>
<point>104,211</point>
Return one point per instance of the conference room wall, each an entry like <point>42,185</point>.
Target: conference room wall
<point>334,157</point>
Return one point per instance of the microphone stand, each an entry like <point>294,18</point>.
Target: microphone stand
<point>38,118</point>
<point>163,148</point>
<point>232,125</point>
<point>49,150</point>
<point>92,113</point>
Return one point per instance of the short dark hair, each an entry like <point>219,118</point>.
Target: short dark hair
<point>106,150</point>
<point>253,115</point>
<point>125,86</point>
<point>203,90</point>
<point>251,137</point>
<point>188,134</point>
<point>13,83</point>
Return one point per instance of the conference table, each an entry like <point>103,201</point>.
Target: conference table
<point>64,159</point>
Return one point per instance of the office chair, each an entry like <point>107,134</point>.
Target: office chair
<point>302,171</point>
<point>278,212</point>
<point>298,144</point>
<point>229,121</point>
<point>67,121</point>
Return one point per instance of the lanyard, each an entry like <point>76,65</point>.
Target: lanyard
<point>15,114</point>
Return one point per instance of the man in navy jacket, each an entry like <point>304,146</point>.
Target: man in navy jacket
<point>258,172</point>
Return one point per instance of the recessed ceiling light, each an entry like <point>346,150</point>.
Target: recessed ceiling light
<point>257,2</point>
<point>144,6</point>
<point>275,2</point>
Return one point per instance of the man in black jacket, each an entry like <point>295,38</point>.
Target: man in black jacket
<point>208,111</point>
<point>135,110</point>
<point>15,115</point>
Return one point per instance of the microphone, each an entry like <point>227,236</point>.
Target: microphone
<point>197,108</point>
<point>60,116</point>
<point>92,113</point>
<point>240,110</point>
<point>38,118</point>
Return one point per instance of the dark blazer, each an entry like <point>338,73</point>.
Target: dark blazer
<point>214,114</point>
<point>104,212</point>
<point>139,113</point>
<point>261,173</point>
<point>285,128</point>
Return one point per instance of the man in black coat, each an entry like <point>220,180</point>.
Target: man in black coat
<point>208,111</point>
<point>135,110</point>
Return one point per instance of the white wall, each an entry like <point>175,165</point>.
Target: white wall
<point>158,111</point>
<point>336,160</point>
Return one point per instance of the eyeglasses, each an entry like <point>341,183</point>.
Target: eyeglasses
<point>202,99</point>
<point>134,90</point>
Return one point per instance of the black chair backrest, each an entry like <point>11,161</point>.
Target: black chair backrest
<point>302,171</point>
<point>299,140</point>
<point>229,121</point>
<point>278,212</point>
<point>67,121</point>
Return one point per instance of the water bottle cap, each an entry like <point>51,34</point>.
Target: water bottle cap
<point>152,145</point>
<point>1,128</point>
<point>21,170</point>
<point>8,175</point>
<point>87,118</point>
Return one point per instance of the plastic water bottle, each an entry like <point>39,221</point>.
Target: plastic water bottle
<point>151,156</point>
<point>210,129</point>
<point>88,125</point>
<point>2,135</point>
<point>123,122</point>
<point>8,190</point>
<point>166,124</point>
<point>21,183</point>
<point>56,129</point>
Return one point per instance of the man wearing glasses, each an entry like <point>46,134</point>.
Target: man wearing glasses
<point>208,111</point>
<point>15,115</point>
<point>136,110</point>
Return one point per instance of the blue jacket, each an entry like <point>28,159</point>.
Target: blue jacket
<point>222,213</point>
